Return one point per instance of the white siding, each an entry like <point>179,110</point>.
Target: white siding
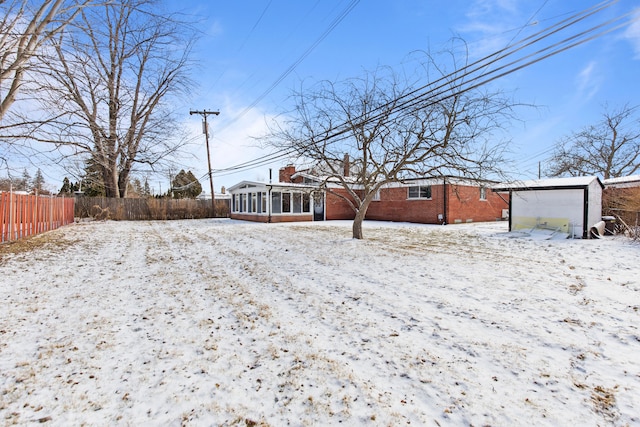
<point>595,204</point>
<point>552,209</point>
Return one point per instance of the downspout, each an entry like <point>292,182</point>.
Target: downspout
<point>585,214</point>
<point>510,210</point>
<point>324,203</point>
<point>444,200</point>
<point>269,202</point>
<point>269,197</point>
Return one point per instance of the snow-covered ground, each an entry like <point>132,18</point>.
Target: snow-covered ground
<point>218,322</point>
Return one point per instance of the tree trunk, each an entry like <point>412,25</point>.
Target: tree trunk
<point>123,181</point>
<point>110,179</point>
<point>357,224</point>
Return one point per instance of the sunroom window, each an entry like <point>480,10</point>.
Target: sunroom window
<point>276,202</point>
<point>286,202</point>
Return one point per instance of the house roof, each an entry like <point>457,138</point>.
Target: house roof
<point>623,181</point>
<point>259,184</point>
<point>549,184</point>
<point>322,178</point>
<point>450,179</point>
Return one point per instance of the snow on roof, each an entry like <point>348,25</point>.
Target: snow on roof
<point>323,178</point>
<point>626,181</point>
<point>246,184</point>
<point>572,182</point>
<point>403,182</point>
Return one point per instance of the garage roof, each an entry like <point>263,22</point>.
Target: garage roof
<point>548,184</point>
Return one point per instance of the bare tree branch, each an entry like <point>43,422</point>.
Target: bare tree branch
<point>387,141</point>
<point>609,148</point>
<point>24,31</point>
<point>110,80</point>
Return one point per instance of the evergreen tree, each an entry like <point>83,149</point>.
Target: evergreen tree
<point>92,184</point>
<point>24,184</point>
<point>147,189</point>
<point>38,181</point>
<point>186,185</point>
<point>66,188</point>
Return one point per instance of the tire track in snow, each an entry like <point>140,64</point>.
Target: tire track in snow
<point>310,298</point>
<point>219,323</point>
<point>305,369</point>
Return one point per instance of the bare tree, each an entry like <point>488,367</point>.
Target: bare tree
<point>110,83</point>
<point>25,27</point>
<point>609,148</point>
<point>390,131</point>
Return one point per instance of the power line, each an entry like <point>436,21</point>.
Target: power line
<point>293,66</point>
<point>454,83</point>
<point>264,11</point>
<point>412,97</point>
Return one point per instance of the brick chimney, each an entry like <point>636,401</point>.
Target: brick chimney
<point>345,165</point>
<point>286,172</point>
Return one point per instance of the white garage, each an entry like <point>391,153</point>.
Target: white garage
<point>564,205</point>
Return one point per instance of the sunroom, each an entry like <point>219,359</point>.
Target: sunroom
<point>280,202</point>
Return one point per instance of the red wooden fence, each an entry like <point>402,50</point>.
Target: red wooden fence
<point>23,215</point>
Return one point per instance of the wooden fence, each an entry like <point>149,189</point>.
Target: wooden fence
<point>23,215</point>
<point>149,209</point>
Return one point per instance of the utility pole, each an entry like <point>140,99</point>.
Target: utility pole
<point>205,130</point>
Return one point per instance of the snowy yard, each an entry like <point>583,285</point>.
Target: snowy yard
<point>218,322</point>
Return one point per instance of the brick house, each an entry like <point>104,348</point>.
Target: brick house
<point>441,200</point>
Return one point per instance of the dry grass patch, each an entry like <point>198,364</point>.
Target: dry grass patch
<point>604,402</point>
<point>50,240</point>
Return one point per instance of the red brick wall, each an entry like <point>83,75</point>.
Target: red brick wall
<point>285,173</point>
<point>464,205</point>
<point>394,206</point>
<point>249,217</point>
<point>291,218</point>
<point>336,207</point>
<point>274,218</point>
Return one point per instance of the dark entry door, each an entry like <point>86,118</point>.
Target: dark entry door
<point>318,207</point>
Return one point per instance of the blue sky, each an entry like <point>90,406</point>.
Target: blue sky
<point>254,53</point>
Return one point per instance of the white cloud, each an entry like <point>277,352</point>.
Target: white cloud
<point>492,7</point>
<point>216,28</point>
<point>632,33</point>
<point>489,25</point>
<point>588,81</point>
<point>231,145</point>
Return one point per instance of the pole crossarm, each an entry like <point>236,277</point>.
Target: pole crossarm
<point>204,113</point>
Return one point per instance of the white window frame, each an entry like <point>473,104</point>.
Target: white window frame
<point>427,189</point>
